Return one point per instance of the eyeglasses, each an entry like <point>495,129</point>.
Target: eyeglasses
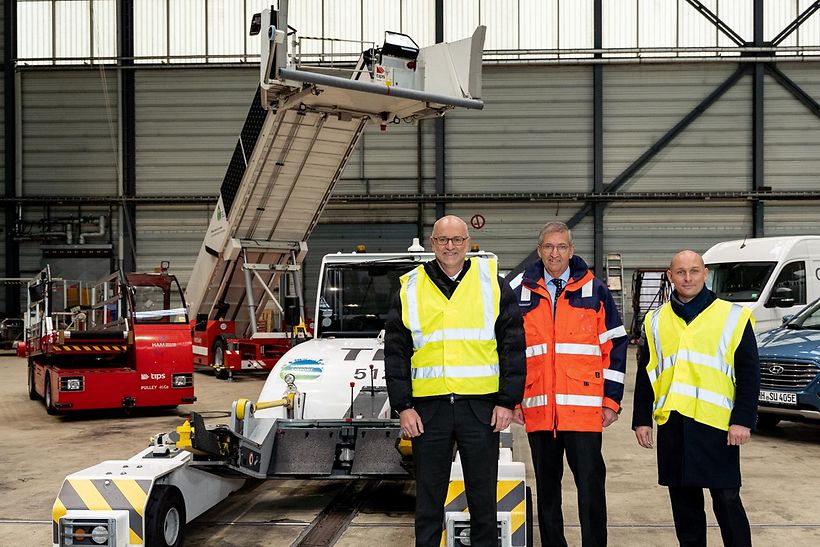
<point>457,240</point>
<point>561,248</point>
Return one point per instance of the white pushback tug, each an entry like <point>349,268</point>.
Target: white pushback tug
<point>323,412</point>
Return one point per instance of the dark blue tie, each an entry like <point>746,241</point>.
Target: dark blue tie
<point>559,286</point>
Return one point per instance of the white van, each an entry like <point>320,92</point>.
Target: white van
<point>774,276</point>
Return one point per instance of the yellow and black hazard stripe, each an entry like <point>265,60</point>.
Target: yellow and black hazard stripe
<point>511,497</point>
<point>104,495</point>
<point>77,348</point>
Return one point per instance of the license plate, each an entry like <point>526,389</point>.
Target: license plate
<point>778,397</point>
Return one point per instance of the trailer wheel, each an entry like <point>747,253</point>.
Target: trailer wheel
<point>32,390</point>
<point>165,518</point>
<point>218,352</point>
<point>530,523</point>
<point>50,408</point>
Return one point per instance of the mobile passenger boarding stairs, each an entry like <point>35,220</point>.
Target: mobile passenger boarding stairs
<point>296,140</point>
<point>299,133</point>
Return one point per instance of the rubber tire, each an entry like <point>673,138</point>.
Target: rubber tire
<point>165,518</point>
<point>50,408</point>
<point>218,351</point>
<point>32,391</point>
<point>767,421</point>
<point>530,522</point>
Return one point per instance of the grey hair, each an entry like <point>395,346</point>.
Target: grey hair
<point>554,226</point>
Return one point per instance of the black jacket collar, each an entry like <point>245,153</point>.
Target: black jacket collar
<point>446,285</point>
<point>689,310</point>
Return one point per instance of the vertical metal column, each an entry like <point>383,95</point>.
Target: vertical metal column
<point>12,261</point>
<point>420,180</point>
<point>128,135</point>
<point>598,144</point>
<point>758,130</point>
<point>439,122</point>
<point>249,296</point>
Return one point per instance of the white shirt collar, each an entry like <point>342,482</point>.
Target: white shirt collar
<point>564,276</point>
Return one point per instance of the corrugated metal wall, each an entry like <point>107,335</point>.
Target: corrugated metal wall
<point>2,28</point>
<point>2,145</point>
<point>534,135</point>
<point>2,136</point>
<point>187,125</point>
<point>792,133</point>
<point>642,103</point>
<point>647,235</point>
<point>69,127</point>
<point>172,233</point>
<point>792,219</point>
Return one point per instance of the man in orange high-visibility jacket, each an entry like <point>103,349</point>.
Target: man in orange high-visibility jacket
<point>576,360</point>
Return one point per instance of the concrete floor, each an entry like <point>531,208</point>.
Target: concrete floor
<point>781,485</point>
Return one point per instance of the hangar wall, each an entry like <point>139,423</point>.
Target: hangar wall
<point>534,135</point>
<point>2,143</point>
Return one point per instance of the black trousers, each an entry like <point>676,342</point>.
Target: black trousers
<point>466,422</point>
<point>583,450</point>
<point>690,518</point>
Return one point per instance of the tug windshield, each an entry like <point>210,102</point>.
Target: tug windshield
<point>157,299</point>
<point>355,298</point>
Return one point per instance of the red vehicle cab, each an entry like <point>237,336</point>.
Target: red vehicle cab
<point>124,342</point>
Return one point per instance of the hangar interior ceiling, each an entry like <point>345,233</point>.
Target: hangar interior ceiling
<point>646,138</point>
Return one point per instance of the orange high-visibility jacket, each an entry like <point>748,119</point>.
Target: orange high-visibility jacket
<point>576,355</point>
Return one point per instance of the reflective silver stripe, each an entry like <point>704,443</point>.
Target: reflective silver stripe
<point>586,289</point>
<point>476,371</point>
<point>539,349</point>
<point>578,349</point>
<point>531,402</point>
<point>487,294</point>
<point>659,403</point>
<point>578,400</point>
<point>614,375</point>
<point>728,332</point>
<point>702,394</point>
<point>459,334</point>
<point>656,338</point>
<point>715,362</point>
<point>617,332</point>
<point>411,290</point>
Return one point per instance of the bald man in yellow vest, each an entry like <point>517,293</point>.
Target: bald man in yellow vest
<point>455,366</point>
<point>699,378</point>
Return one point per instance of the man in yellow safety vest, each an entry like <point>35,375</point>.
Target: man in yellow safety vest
<point>455,367</point>
<point>699,378</point>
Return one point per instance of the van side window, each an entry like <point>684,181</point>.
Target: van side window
<point>793,276</point>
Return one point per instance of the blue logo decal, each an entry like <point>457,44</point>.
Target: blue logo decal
<point>303,369</point>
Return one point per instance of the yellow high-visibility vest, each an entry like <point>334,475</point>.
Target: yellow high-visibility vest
<point>454,346</point>
<point>691,367</point>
